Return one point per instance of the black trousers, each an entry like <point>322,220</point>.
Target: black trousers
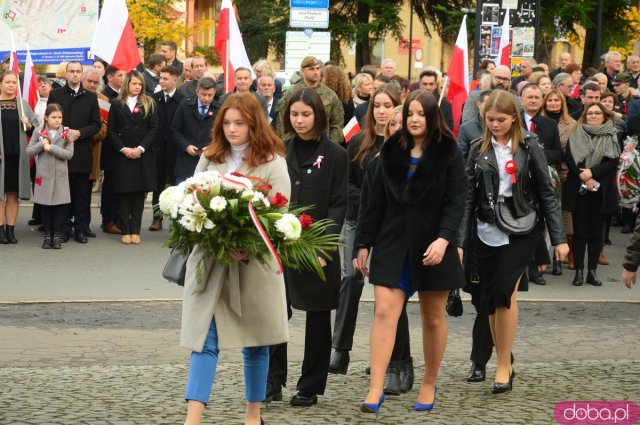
<point>52,217</point>
<point>481,340</point>
<point>35,214</point>
<point>108,200</point>
<point>317,353</point>
<point>163,177</point>
<point>402,345</point>
<point>347,312</point>
<point>131,208</point>
<point>588,229</point>
<point>76,212</point>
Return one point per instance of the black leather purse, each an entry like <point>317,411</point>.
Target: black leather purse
<point>506,219</point>
<point>454,303</point>
<point>176,267</point>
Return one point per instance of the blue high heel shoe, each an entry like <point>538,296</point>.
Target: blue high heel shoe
<point>422,407</point>
<point>372,407</point>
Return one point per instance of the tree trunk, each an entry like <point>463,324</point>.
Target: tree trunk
<point>363,46</point>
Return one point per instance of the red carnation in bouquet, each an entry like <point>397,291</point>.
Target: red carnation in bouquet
<point>305,220</point>
<point>278,201</point>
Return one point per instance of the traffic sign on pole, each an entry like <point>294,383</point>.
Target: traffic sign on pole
<point>309,4</point>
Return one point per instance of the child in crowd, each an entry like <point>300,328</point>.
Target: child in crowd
<point>52,146</point>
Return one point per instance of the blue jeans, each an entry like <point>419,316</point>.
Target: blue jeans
<point>202,370</point>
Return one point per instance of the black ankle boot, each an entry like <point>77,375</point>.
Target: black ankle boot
<point>46,243</point>
<point>557,268</point>
<point>592,278</point>
<point>392,380</point>
<point>3,236</point>
<point>339,362</point>
<point>406,375</point>
<point>10,235</point>
<point>578,280</point>
<point>56,240</point>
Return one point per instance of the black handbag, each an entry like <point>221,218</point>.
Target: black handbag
<point>176,267</point>
<point>506,219</point>
<point>454,303</point>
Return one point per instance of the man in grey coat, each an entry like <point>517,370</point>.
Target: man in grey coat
<point>472,130</point>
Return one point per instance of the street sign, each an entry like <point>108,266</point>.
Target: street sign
<point>306,4</point>
<point>419,54</point>
<point>309,18</point>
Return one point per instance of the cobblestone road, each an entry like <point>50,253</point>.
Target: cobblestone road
<point>118,363</point>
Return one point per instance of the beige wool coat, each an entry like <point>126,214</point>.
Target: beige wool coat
<point>248,301</point>
<point>52,177</point>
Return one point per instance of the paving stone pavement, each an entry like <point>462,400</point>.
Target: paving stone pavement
<point>119,363</point>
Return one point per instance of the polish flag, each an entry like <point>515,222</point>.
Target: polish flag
<point>351,129</point>
<point>105,107</point>
<point>113,40</point>
<point>30,83</point>
<point>230,46</point>
<point>459,76</point>
<point>13,62</point>
<point>504,55</point>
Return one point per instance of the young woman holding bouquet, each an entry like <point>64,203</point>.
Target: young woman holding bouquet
<point>507,170</point>
<point>133,125</point>
<point>590,191</point>
<point>415,206</point>
<point>243,304</point>
<point>318,171</point>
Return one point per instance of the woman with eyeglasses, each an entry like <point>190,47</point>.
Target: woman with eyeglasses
<point>589,192</point>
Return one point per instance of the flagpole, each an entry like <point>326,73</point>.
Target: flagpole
<point>19,97</point>
<point>226,68</point>
<point>445,83</point>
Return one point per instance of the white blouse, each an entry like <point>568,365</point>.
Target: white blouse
<point>488,233</point>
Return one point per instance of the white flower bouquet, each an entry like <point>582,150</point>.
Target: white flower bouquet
<point>232,212</point>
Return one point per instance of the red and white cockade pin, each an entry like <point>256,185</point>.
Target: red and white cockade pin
<point>136,110</point>
<point>210,113</point>
<point>510,167</point>
<point>318,162</point>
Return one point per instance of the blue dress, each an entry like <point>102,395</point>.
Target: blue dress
<point>405,279</point>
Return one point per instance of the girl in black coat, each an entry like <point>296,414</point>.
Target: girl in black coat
<point>318,171</point>
<point>362,148</point>
<point>411,221</point>
<point>592,159</point>
<point>132,130</point>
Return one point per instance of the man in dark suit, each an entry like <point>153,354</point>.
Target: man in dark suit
<point>108,201</point>
<point>242,80</point>
<point>151,74</point>
<point>82,115</point>
<point>168,50</point>
<point>191,127</point>
<point>430,81</point>
<point>266,87</point>
<point>589,94</point>
<point>547,131</point>
<point>167,101</point>
<point>198,68</point>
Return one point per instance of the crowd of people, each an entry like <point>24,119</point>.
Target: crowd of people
<point>421,209</point>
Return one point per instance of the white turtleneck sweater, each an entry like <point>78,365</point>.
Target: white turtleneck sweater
<point>234,159</point>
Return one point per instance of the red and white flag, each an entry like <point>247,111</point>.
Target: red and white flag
<point>504,54</point>
<point>230,46</point>
<point>30,83</point>
<point>351,129</point>
<point>114,40</point>
<point>13,62</point>
<point>459,76</point>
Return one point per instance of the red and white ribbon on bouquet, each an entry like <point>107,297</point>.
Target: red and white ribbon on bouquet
<point>256,222</point>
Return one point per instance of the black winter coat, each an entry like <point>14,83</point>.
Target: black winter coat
<point>357,173</point>
<point>604,173</point>
<point>80,112</point>
<point>404,216</point>
<point>326,189</point>
<point>166,149</point>
<point>129,130</point>
<point>189,129</point>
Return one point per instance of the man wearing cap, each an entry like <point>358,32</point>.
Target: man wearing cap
<point>622,84</point>
<point>311,78</point>
<point>5,62</point>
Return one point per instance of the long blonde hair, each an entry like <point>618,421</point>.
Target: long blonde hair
<point>147,102</point>
<point>397,110</point>
<point>502,102</point>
